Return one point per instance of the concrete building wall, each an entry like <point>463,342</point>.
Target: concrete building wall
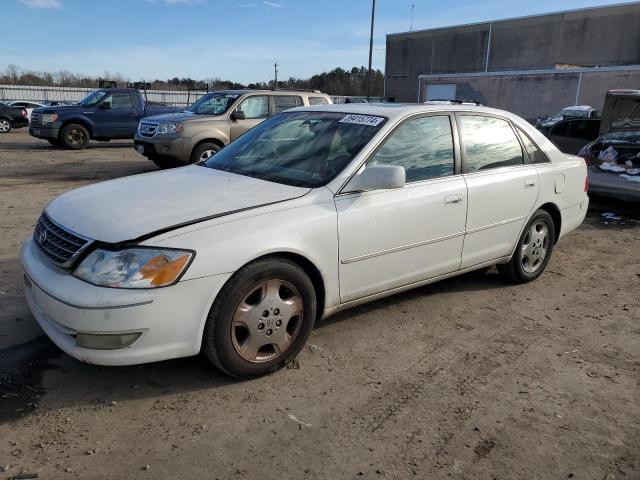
<point>603,36</point>
<point>537,95</point>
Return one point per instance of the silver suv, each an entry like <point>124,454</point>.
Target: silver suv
<point>177,139</point>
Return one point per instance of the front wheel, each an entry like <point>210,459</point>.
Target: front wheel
<point>5,125</point>
<point>533,250</point>
<point>74,137</point>
<point>204,152</point>
<point>261,318</point>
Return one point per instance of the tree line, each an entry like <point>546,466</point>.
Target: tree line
<point>336,82</point>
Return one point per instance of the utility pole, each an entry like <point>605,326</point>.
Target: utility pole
<point>275,71</point>
<point>413,7</point>
<point>373,13</point>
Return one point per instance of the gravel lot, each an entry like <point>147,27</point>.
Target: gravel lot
<point>469,378</point>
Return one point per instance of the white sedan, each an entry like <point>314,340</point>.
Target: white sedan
<point>313,211</point>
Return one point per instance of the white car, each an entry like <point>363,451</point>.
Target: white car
<point>28,106</point>
<point>313,211</point>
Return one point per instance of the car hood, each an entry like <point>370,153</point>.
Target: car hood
<point>61,109</point>
<point>181,117</point>
<point>132,207</point>
<point>621,112</point>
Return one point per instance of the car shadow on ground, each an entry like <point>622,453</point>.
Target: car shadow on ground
<point>30,370</point>
<point>46,146</point>
<point>73,171</point>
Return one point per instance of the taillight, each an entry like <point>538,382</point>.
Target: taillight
<point>586,184</point>
<point>24,113</point>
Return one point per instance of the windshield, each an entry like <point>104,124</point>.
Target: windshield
<point>213,103</point>
<point>305,149</point>
<point>574,113</point>
<point>93,98</point>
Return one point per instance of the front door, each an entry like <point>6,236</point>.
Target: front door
<point>392,238</point>
<point>255,109</point>
<point>502,186</point>
<point>119,119</point>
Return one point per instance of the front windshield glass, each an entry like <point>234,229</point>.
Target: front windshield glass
<point>574,113</point>
<point>213,103</point>
<point>93,98</point>
<point>306,149</point>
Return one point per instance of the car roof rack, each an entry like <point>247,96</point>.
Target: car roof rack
<point>457,101</point>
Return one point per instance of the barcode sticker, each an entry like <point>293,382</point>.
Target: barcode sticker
<point>362,120</point>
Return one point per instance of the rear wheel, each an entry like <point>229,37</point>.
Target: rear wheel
<point>204,152</point>
<point>5,125</point>
<point>74,136</point>
<point>261,318</point>
<point>533,251</point>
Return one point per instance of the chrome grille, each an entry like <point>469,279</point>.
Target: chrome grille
<point>36,118</point>
<point>57,243</point>
<point>148,129</point>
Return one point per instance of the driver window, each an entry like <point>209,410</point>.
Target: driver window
<point>423,146</point>
<point>119,101</point>
<point>255,107</point>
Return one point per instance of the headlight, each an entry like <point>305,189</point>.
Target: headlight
<point>49,117</point>
<point>133,267</point>
<point>165,128</point>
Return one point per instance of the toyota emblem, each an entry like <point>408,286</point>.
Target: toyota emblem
<point>42,236</point>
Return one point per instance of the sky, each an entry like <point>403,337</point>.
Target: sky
<point>236,40</point>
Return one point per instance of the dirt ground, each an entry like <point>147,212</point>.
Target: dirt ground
<point>469,378</point>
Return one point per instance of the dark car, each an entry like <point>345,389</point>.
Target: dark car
<point>576,111</point>
<point>105,114</point>
<point>611,146</point>
<point>12,117</point>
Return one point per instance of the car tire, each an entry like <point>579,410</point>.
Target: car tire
<point>74,136</point>
<point>533,251</point>
<point>5,125</point>
<point>204,151</point>
<point>165,163</point>
<point>261,318</point>
<point>54,142</point>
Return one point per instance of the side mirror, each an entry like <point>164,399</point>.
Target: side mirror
<point>105,106</point>
<point>237,115</point>
<point>377,177</point>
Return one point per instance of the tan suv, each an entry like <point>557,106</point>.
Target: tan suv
<point>177,139</point>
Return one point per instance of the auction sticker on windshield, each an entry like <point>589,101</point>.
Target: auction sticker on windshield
<point>362,120</point>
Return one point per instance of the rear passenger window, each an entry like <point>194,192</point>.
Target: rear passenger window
<point>317,101</point>
<point>423,146</point>
<point>535,155</point>
<point>489,143</point>
<point>285,102</point>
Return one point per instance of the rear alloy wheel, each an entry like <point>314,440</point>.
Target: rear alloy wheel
<point>204,152</point>
<point>533,251</point>
<point>261,318</point>
<point>74,136</point>
<point>5,125</point>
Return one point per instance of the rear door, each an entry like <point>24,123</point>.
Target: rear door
<point>255,109</point>
<point>392,238</point>
<point>502,187</point>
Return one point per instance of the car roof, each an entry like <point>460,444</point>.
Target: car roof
<point>400,110</point>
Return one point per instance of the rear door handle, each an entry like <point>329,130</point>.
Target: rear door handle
<point>452,199</point>
<point>529,182</point>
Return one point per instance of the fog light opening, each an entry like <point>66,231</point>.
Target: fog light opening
<point>107,341</point>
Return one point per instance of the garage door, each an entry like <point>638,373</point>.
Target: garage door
<point>441,91</point>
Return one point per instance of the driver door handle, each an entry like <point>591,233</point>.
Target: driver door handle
<point>529,182</point>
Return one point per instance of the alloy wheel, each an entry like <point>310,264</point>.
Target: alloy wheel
<point>535,246</point>
<point>267,321</point>
<point>4,126</point>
